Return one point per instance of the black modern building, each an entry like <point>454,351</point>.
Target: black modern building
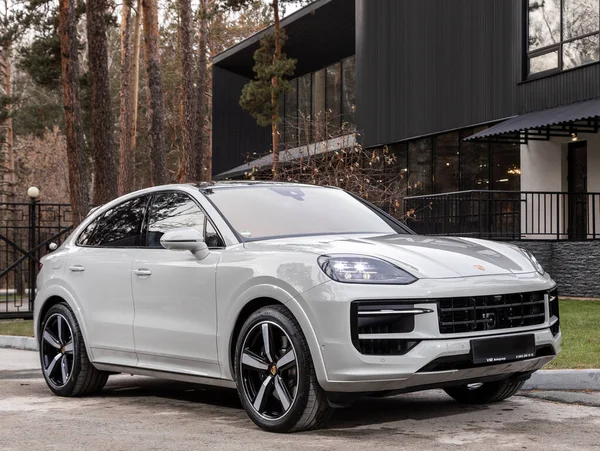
<point>421,76</point>
<point>491,106</point>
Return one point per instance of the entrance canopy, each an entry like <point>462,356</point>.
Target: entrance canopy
<point>566,120</point>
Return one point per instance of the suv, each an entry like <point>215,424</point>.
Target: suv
<point>302,298</point>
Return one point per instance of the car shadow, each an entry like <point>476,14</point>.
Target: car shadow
<point>364,412</point>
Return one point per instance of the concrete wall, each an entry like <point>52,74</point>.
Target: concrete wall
<point>574,265</point>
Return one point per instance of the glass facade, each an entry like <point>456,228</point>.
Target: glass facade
<point>320,105</point>
<point>562,34</point>
<point>445,163</point>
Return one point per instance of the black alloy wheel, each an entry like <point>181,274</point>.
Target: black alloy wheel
<point>269,370</point>
<point>63,356</point>
<point>275,375</point>
<point>57,350</point>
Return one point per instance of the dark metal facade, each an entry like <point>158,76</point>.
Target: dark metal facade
<point>422,67</point>
<point>426,66</point>
<point>235,132</point>
<point>319,35</point>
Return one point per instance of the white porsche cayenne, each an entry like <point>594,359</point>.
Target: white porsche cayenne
<point>301,297</point>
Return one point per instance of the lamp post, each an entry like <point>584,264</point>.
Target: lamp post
<point>33,193</point>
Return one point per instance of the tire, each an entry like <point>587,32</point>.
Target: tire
<point>486,393</point>
<point>65,363</point>
<point>292,399</point>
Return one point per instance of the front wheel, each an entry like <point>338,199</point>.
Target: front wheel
<point>275,375</point>
<point>65,364</point>
<point>485,393</point>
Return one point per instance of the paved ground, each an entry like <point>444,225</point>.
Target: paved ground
<point>135,413</point>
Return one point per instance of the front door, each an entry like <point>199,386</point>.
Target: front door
<point>578,198</point>
<point>175,324</point>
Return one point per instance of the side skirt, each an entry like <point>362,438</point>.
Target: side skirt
<point>134,370</point>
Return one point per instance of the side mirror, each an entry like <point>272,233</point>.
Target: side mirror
<point>52,247</point>
<point>187,239</point>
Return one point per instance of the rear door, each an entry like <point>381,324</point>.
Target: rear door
<point>175,322</point>
<point>99,272</point>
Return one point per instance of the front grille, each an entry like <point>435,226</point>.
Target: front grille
<point>386,346</point>
<point>481,313</point>
<point>375,318</point>
<point>553,312</point>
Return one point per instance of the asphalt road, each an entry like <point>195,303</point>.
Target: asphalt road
<point>136,413</point>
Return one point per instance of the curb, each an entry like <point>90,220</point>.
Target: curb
<point>540,380</point>
<point>564,380</point>
<point>17,342</point>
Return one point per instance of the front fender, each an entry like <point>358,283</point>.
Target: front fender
<point>277,293</point>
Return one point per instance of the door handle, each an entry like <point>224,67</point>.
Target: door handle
<point>77,268</point>
<point>142,272</point>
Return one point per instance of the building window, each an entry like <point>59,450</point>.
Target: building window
<point>291,115</point>
<point>506,166</point>
<point>562,34</point>
<point>447,174</point>
<point>304,109</point>
<point>318,106</point>
<point>348,90</point>
<point>399,168</point>
<point>334,94</point>
<point>419,166</point>
<point>474,162</point>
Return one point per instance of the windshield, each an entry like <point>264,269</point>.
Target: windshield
<point>272,211</point>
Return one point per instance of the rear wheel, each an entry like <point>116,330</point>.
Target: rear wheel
<point>64,360</point>
<point>275,376</point>
<point>485,393</point>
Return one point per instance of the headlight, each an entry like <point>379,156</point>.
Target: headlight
<point>359,269</point>
<point>533,260</point>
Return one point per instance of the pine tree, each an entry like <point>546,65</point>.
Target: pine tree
<point>188,95</point>
<point>78,183</point>
<point>103,149</point>
<point>126,151</point>
<point>156,129</point>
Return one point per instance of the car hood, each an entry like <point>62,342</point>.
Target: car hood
<point>422,256</point>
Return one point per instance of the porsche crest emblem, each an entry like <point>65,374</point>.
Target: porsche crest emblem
<point>479,267</point>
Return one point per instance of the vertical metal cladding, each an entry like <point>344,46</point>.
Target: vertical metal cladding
<point>235,132</point>
<point>425,66</point>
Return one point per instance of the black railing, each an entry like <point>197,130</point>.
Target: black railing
<point>506,215</point>
<point>26,230</point>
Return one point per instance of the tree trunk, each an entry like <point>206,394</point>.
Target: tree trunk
<point>204,161</point>
<point>105,163</point>
<point>274,95</point>
<point>127,158</point>
<point>135,69</point>
<point>156,129</point>
<point>78,186</point>
<point>189,129</point>
<point>9,177</point>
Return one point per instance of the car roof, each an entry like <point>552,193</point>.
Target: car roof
<point>249,183</point>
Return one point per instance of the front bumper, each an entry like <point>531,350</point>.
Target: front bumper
<point>346,369</point>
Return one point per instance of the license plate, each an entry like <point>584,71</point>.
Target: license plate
<point>503,349</point>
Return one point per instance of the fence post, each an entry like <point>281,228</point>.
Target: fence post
<point>33,194</point>
<point>480,216</point>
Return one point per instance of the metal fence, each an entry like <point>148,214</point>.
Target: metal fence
<point>508,215</point>
<point>26,230</point>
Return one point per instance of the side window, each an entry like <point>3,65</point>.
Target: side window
<point>84,237</point>
<point>212,238</point>
<point>120,226</point>
<point>172,211</point>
